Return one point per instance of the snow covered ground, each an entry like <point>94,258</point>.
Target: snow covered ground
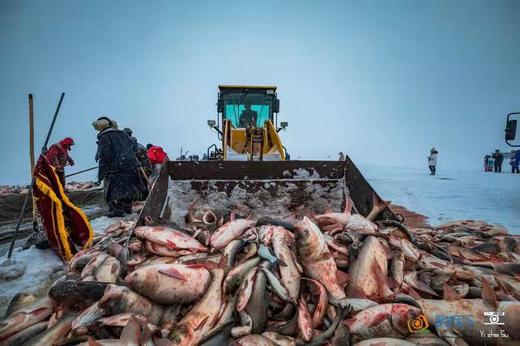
<point>451,194</point>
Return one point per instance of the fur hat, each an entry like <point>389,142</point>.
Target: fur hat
<point>103,123</point>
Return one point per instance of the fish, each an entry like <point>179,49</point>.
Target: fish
<point>355,304</point>
<point>26,317</point>
<point>135,245</point>
<point>340,315</point>
<point>321,308</point>
<point>203,315</point>
<point>368,274</point>
<point>278,339</point>
<point>385,320</point>
<point>18,301</point>
<point>81,259</point>
<point>71,293</point>
<point>108,270</point>
<point>117,300</point>
<point>229,231</point>
<point>245,291</point>
<point>397,267</point>
<point>411,279</point>
<point>277,287</point>
<point>257,305</point>
<point>254,340</point>
<point>231,250</point>
<point>54,335</point>
<point>265,253</point>
<point>170,283</point>
<point>89,271</point>
<point>169,237</point>
<point>384,342</point>
<point>304,320</point>
<point>21,337</point>
<point>161,250</point>
<point>314,254</point>
<point>378,206</point>
<point>235,276</point>
<point>220,335</point>
<point>289,273</point>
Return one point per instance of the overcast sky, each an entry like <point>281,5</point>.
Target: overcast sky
<point>383,81</point>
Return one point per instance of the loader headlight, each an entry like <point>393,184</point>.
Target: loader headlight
<point>212,123</point>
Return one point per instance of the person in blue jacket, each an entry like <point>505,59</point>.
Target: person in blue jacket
<point>515,161</point>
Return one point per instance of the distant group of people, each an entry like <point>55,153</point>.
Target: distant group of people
<point>495,161</point>
<point>126,167</point>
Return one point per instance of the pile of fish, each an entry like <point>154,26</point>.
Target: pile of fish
<point>81,185</point>
<point>332,279</point>
<point>12,189</point>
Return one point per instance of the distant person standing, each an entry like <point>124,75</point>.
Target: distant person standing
<point>432,161</point>
<point>515,161</point>
<point>499,158</point>
<point>341,156</point>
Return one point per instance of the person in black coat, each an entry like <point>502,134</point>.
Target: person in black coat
<point>499,158</point>
<point>118,167</point>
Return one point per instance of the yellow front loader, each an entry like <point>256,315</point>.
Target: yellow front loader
<point>247,124</point>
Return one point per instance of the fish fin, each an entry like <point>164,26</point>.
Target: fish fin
<point>488,294</point>
<point>348,205</point>
<point>174,273</point>
<point>201,323</point>
<point>450,294</point>
<point>131,333</point>
<point>503,287</point>
<point>281,261</point>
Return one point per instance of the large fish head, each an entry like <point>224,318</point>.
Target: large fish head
<point>143,280</point>
<point>403,314</point>
<point>309,238</point>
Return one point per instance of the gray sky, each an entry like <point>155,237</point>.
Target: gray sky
<point>382,80</point>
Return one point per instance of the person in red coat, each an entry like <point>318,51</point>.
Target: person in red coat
<point>58,156</point>
<point>157,156</point>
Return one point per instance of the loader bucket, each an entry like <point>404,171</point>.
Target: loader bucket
<point>282,189</point>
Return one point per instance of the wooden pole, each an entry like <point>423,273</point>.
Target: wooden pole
<point>31,154</point>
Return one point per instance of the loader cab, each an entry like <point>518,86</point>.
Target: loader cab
<point>247,124</point>
<point>513,129</point>
<point>247,105</point>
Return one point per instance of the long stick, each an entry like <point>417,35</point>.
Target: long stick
<point>83,171</point>
<point>29,193</point>
<point>31,157</point>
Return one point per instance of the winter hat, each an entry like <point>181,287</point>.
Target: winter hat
<point>67,142</point>
<point>149,145</point>
<point>103,123</point>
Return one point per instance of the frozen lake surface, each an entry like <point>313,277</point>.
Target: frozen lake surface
<point>451,194</point>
